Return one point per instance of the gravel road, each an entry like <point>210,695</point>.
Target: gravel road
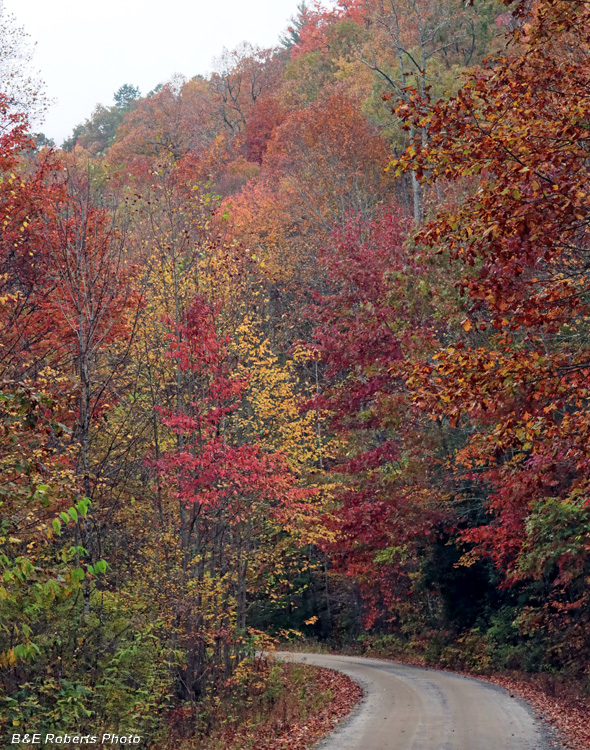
<point>410,708</point>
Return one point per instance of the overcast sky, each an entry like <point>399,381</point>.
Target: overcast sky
<point>87,49</point>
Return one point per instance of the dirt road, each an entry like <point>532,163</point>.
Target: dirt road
<point>409,708</point>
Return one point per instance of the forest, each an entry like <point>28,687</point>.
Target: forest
<point>294,352</point>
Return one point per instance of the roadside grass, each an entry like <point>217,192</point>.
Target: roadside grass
<point>270,706</point>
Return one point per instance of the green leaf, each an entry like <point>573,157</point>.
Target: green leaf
<point>56,523</point>
<point>100,566</point>
<point>77,574</point>
<point>82,507</point>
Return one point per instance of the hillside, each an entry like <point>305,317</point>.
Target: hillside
<point>299,349</point>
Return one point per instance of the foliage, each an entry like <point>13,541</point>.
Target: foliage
<point>21,89</point>
<point>518,372</point>
<point>298,345</point>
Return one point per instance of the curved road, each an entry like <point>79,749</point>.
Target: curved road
<point>410,708</point>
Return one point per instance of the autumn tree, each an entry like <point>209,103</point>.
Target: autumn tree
<point>517,374</point>
<point>408,48</point>
<point>177,119</point>
<point>373,317</point>
<point>22,89</point>
<point>24,192</point>
<point>233,496</point>
<point>242,77</point>
<point>99,132</point>
<point>329,161</point>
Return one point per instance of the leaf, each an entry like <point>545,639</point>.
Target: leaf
<point>77,574</point>
<point>83,507</point>
<point>100,566</point>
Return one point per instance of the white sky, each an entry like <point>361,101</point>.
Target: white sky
<point>86,49</point>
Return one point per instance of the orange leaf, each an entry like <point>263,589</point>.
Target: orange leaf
<point>466,325</point>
